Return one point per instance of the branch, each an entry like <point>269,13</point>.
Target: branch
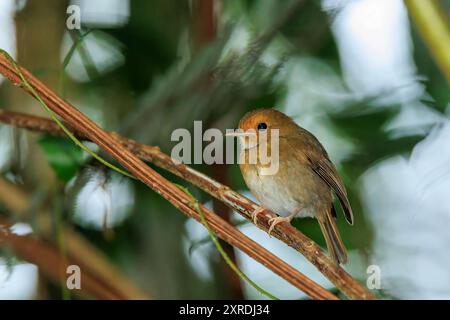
<point>47,257</point>
<point>94,263</point>
<point>109,143</point>
<point>286,233</point>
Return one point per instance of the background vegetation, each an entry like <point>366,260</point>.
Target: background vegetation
<point>145,68</point>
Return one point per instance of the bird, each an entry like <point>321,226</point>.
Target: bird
<point>305,180</point>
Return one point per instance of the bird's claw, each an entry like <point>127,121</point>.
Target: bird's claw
<point>276,220</point>
<point>255,214</point>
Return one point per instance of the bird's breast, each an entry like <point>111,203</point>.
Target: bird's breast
<point>293,187</point>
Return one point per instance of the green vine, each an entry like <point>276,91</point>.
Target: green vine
<point>196,205</point>
<point>59,122</point>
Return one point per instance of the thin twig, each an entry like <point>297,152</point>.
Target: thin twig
<point>286,233</point>
<point>80,123</point>
<point>222,252</point>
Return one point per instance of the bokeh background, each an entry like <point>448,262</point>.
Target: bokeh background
<point>359,74</point>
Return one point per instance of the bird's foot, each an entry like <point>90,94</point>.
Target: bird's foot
<point>256,212</point>
<point>276,220</point>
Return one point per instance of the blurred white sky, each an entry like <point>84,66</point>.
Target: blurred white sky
<point>7,146</point>
<point>20,280</point>
<point>13,148</point>
<point>374,43</point>
<point>7,28</point>
<point>104,201</point>
<point>313,90</point>
<point>103,13</point>
<point>19,283</point>
<point>376,53</point>
<point>406,198</point>
<point>104,51</point>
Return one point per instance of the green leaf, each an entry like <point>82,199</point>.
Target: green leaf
<point>64,157</point>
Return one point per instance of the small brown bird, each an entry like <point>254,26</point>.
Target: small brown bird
<point>305,181</point>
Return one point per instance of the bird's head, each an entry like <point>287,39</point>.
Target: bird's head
<point>262,122</point>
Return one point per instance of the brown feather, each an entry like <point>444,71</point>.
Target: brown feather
<point>305,181</point>
<point>335,246</point>
<point>321,164</point>
<point>325,169</point>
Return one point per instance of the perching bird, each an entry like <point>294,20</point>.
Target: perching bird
<point>305,181</point>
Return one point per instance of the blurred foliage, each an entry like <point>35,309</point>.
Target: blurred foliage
<point>167,81</point>
<point>63,155</point>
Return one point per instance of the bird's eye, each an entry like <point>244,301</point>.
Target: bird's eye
<point>262,126</point>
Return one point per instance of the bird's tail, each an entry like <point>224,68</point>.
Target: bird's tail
<point>336,248</point>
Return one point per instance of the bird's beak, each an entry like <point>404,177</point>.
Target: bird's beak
<point>247,139</point>
<point>240,134</point>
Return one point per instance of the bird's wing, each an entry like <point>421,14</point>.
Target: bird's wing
<point>315,155</point>
<point>326,170</point>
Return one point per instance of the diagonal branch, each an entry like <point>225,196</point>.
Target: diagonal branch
<point>109,143</point>
<point>286,233</point>
<point>50,262</point>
